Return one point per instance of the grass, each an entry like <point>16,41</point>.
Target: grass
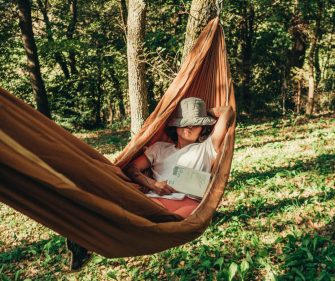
<point>276,220</point>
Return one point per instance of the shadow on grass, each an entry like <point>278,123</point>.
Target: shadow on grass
<point>47,252</point>
<point>274,140</point>
<point>328,230</point>
<point>266,209</point>
<point>308,257</point>
<point>324,164</point>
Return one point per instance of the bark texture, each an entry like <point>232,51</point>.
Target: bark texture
<point>136,67</point>
<point>247,33</point>
<point>295,56</point>
<point>311,60</point>
<point>29,44</point>
<point>202,11</point>
<point>70,34</point>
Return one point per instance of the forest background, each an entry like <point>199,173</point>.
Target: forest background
<point>276,220</point>
<point>281,55</point>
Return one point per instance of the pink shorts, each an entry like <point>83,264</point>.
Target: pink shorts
<point>180,207</point>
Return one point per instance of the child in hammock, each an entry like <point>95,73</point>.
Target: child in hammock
<point>187,130</point>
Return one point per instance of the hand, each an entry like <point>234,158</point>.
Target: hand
<point>162,188</point>
<point>227,111</point>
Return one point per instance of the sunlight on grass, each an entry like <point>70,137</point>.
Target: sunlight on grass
<point>276,220</point>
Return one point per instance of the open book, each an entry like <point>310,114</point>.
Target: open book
<point>186,181</point>
<point>189,181</point>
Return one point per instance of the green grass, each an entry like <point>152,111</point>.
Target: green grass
<point>276,220</point>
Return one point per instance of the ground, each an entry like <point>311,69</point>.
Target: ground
<point>276,220</point>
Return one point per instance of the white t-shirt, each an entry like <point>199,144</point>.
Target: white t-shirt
<point>163,156</point>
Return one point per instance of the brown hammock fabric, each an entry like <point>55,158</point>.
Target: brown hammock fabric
<point>66,185</point>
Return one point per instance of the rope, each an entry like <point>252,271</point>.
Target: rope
<point>226,59</point>
<point>219,5</point>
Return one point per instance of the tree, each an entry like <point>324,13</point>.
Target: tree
<point>136,65</point>
<point>247,33</point>
<point>37,82</point>
<point>70,33</point>
<point>315,36</point>
<point>202,11</point>
<point>58,55</point>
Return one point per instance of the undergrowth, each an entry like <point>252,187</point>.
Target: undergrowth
<point>276,220</point>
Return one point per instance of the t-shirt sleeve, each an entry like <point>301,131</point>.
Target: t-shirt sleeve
<point>152,152</point>
<point>209,148</point>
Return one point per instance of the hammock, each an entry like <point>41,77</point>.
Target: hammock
<point>66,185</point>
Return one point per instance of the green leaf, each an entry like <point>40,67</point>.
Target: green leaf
<point>112,274</point>
<point>309,254</point>
<point>206,263</point>
<point>233,268</point>
<point>17,275</point>
<point>244,266</point>
<point>219,262</point>
<point>97,259</point>
<point>299,273</point>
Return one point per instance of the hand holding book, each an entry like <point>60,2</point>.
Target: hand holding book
<point>162,188</point>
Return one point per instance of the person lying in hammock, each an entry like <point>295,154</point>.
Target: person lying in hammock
<point>190,147</point>
<point>187,131</point>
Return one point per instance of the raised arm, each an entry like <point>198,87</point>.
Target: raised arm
<point>134,170</point>
<point>226,116</point>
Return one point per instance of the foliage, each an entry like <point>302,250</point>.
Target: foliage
<point>95,93</point>
<point>276,220</point>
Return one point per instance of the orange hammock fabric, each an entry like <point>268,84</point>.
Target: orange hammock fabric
<point>66,185</point>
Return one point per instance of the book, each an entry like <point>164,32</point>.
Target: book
<point>173,196</point>
<point>189,181</point>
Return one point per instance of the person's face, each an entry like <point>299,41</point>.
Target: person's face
<point>190,133</point>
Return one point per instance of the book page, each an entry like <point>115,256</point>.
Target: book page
<point>189,181</point>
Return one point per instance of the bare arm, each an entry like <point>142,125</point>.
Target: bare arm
<point>226,117</point>
<point>134,171</point>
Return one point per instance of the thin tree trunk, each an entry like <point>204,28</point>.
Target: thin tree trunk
<point>136,67</point>
<point>311,61</point>
<point>111,113</point>
<point>118,93</point>
<point>296,55</point>
<point>37,82</point>
<point>123,13</point>
<point>283,92</point>
<point>298,96</point>
<point>202,11</point>
<point>247,32</point>
<point>99,85</point>
<point>58,56</point>
<point>70,33</point>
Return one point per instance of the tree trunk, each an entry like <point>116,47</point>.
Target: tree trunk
<point>311,60</point>
<point>247,32</point>
<point>298,96</point>
<point>118,93</point>
<point>99,85</point>
<point>136,67</point>
<point>123,13</point>
<point>202,11</point>
<point>295,56</point>
<point>111,113</point>
<point>283,92</point>
<point>37,82</point>
<point>58,56</point>
<point>70,33</point>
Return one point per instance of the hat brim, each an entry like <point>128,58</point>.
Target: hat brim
<point>198,121</point>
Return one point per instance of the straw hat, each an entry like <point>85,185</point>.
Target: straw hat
<point>191,112</point>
